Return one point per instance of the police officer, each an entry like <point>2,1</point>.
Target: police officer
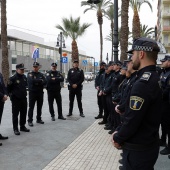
<point>75,79</point>
<point>139,133</point>
<point>18,95</point>
<point>165,86</point>
<point>105,92</point>
<point>36,83</point>
<point>97,86</point>
<point>54,78</point>
<point>3,98</point>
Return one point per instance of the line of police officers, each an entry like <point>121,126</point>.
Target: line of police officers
<point>36,82</point>
<point>134,103</point>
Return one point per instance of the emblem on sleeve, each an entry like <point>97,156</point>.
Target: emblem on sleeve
<point>146,76</point>
<point>48,74</point>
<point>136,102</point>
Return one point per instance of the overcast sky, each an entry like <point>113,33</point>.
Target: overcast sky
<point>43,16</point>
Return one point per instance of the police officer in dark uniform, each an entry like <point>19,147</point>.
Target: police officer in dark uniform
<point>105,92</point>
<point>75,79</point>
<point>3,98</point>
<point>36,83</point>
<point>97,86</point>
<point>54,78</point>
<point>139,133</point>
<point>130,79</point>
<point>116,81</point>
<point>165,86</point>
<point>18,95</point>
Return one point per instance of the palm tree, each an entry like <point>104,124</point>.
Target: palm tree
<point>146,32</point>
<point>136,5</point>
<point>5,62</point>
<point>124,31</point>
<point>72,28</point>
<point>100,8</point>
<point>109,14</point>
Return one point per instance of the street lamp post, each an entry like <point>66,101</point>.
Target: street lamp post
<point>60,44</point>
<point>107,58</point>
<point>115,42</point>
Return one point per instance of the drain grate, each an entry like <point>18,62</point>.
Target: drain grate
<point>73,118</point>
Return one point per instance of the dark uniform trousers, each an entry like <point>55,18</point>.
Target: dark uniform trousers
<point>135,160</point>
<point>106,112</point>
<point>165,122</point>
<point>35,97</point>
<point>100,104</point>
<point>1,109</point>
<point>78,93</point>
<point>19,106</point>
<point>57,96</point>
<point>116,117</point>
<point>109,108</point>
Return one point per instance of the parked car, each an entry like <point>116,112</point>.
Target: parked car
<point>88,76</point>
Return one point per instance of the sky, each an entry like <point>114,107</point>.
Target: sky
<point>42,16</point>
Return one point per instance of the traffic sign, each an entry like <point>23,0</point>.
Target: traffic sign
<point>96,64</point>
<point>84,62</point>
<point>64,60</point>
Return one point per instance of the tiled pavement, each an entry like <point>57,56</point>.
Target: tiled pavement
<point>92,150</point>
<point>87,144</point>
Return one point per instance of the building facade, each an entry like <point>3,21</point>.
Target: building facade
<point>163,23</point>
<point>20,50</point>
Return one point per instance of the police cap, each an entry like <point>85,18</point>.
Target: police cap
<point>124,65</point>
<point>102,63</point>
<point>20,66</point>
<point>129,58</point>
<point>36,64</point>
<point>75,61</point>
<point>111,63</point>
<point>167,57</point>
<point>119,63</point>
<point>54,64</point>
<point>144,44</point>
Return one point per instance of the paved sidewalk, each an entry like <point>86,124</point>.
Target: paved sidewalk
<point>92,150</point>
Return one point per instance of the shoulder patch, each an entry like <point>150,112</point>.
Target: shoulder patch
<point>146,76</point>
<point>47,74</point>
<point>136,102</point>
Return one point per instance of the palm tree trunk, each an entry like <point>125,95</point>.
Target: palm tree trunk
<point>101,43</point>
<point>5,62</point>
<point>112,27</point>
<point>75,52</point>
<point>124,29</point>
<point>136,25</point>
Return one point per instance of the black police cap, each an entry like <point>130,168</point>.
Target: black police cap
<point>129,58</point>
<point>20,66</point>
<point>167,57</point>
<point>111,63</point>
<point>54,64</point>
<point>124,65</point>
<point>102,63</point>
<point>144,44</point>
<point>119,63</point>
<point>76,61</point>
<point>36,64</point>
